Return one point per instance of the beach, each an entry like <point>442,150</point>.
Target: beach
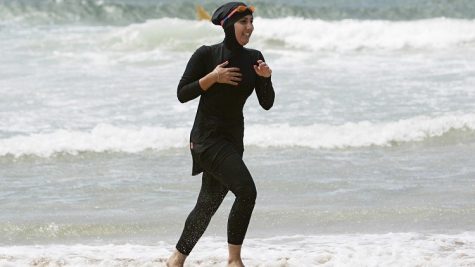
<point>365,159</point>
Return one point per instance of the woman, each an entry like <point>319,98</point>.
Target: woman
<point>224,75</point>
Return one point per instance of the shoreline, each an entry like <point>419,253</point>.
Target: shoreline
<point>390,249</point>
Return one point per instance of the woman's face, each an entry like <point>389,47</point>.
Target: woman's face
<point>243,29</point>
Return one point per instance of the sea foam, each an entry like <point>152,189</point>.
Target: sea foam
<point>304,34</point>
<point>391,249</point>
<point>125,11</point>
<point>109,138</point>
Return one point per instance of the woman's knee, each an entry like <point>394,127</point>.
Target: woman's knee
<point>209,203</point>
<point>246,192</point>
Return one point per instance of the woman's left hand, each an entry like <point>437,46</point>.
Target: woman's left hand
<point>262,69</point>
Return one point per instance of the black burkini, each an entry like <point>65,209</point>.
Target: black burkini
<point>216,139</point>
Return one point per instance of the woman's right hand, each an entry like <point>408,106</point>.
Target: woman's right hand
<point>227,75</point>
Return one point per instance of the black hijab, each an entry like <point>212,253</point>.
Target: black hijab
<point>229,34</point>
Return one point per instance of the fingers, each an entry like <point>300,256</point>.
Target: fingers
<point>262,63</point>
<point>234,73</point>
<point>230,76</point>
<point>234,78</point>
<point>230,73</point>
<point>262,69</point>
<point>224,63</point>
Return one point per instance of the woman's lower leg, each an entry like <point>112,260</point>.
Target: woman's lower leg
<point>240,214</point>
<point>210,198</point>
<point>235,255</point>
<point>177,259</point>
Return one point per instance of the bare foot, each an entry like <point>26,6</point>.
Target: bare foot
<point>176,259</point>
<point>173,263</point>
<point>234,259</point>
<point>235,263</point>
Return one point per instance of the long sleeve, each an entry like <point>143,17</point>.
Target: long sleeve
<point>264,90</point>
<point>189,86</point>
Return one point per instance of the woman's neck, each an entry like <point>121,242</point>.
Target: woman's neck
<point>230,40</point>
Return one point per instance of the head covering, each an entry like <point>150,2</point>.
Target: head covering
<point>221,14</point>
<point>223,11</point>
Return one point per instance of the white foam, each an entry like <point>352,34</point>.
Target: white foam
<point>103,138</point>
<point>108,138</point>
<point>304,34</point>
<point>391,249</point>
<point>317,35</point>
<point>164,32</point>
<point>358,134</point>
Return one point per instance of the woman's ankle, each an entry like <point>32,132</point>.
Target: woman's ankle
<point>178,257</point>
<point>234,254</point>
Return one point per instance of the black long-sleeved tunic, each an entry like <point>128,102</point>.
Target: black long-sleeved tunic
<point>219,117</point>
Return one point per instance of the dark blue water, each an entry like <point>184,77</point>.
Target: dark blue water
<point>127,11</point>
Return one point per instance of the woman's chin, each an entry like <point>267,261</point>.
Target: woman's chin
<point>243,42</point>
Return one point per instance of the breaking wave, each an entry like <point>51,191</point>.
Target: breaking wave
<point>391,249</point>
<point>109,138</point>
<point>122,12</point>
<point>303,34</point>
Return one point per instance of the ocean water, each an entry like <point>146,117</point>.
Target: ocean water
<point>366,159</point>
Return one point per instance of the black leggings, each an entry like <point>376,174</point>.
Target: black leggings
<point>224,171</point>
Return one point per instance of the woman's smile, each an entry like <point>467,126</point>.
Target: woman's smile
<point>243,29</point>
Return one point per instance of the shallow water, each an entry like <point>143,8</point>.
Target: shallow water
<point>370,142</point>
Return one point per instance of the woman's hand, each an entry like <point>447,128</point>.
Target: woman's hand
<point>227,75</point>
<point>262,69</point>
